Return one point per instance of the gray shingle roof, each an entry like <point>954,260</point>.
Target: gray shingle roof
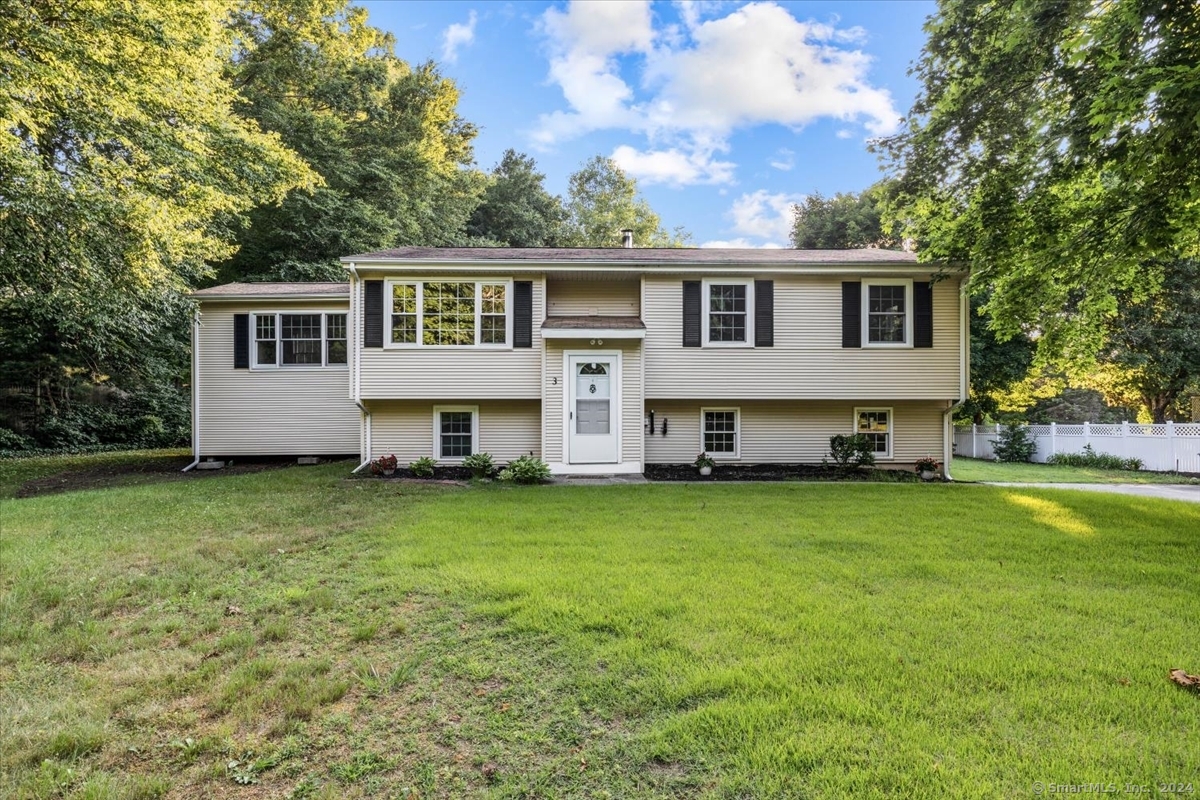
<point>226,290</point>
<point>640,255</point>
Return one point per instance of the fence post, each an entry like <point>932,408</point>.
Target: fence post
<point>1171,438</point>
<point>1053,435</point>
<point>974,433</point>
<point>1087,434</point>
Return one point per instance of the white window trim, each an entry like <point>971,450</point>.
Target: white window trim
<point>737,433</point>
<point>437,432</point>
<point>908,312</point>
<point>279,365</point>
<point>706,302</point>
<point>891,432</point>
<point>507,283</point>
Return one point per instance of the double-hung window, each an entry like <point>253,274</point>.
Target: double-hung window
<point>455,432</point>
<point>887,315</point>
<point>720,432</point>
<point>876,425</point>
<point>450,313</point>
<point>310,339</point>
<point>728,312</point>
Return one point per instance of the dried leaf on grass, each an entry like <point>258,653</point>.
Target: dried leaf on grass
<point>1186,681</point>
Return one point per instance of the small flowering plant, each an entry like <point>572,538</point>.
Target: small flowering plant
<point>384,465</point>
<point>704,460</point>
<point>928,464</point>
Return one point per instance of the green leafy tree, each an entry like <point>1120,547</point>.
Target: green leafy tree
<point>517,211</point>
<point>843,222</point>
<point>996,364</point>
<point>1052,147</point>
<point>385,137</point>
<point>602,201</point>
<point>123,168</point>
<point>1151,352</point>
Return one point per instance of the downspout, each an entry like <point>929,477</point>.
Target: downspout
<point>356,387</point>
<point>195,389</point>
<point>964,372</point>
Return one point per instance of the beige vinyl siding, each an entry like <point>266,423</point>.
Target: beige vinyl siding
<point>631,397</point>
<point>606,298</point>
<point>423,372</point>
<point>404,428</point>
<point>807,360</point>
<point>243,412</point>
<point>792,432</point>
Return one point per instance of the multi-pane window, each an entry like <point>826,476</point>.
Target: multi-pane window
<point>887,314</point>
<point>404,313</point>
<point>335,338</point>
<point>299,340</point>
<point>449,313</point>
<point>301,336</point>
<point>727,312</point>
<point>455,431</point>
<point>875,424</point>
<point>265,350</point>
<point>719,432</point>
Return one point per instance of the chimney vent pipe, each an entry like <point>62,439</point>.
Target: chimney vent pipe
<point>627,237</point>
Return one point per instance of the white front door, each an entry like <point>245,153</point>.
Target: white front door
<point>592,384</point>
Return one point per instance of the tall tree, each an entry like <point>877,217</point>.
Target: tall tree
<point>1053,146</point>
<point>996,365</point>
<point>122,168</point>
<point>1151,352</point>
<point>842,222</point>
<point>385,137</point>
<point>602,201</point>
<point>517,211</point>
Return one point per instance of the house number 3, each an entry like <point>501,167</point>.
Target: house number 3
<point>554,382</point>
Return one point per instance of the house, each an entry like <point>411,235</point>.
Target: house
<point>596,360</point>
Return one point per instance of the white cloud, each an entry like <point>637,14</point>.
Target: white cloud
<point>741,244</point>
<point>784,160</point>
<point>673,166</point>
<point>765,215</point>
<point>845,133</point>
<point>458,36</point>
<point>703,80</point>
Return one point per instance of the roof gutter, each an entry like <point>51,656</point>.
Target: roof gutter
<point>356,384</point>
<point>964,372</point>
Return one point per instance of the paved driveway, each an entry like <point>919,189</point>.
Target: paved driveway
<point>1169,491</point>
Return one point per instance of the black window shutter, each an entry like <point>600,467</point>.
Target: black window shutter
<point>923,314</point>
<point>764,313</point>
<point>851,314</point>
<point>522,313</point>
<point>241,341</point>
<point>372,313</point>
<point>691,313</point>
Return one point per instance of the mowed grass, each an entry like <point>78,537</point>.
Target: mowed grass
<point>294,633</point>
<point>975,469</point>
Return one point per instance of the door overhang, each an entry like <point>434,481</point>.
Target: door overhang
<point>593,327</point>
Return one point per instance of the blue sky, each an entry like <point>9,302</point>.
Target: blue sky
<point>725,112</point>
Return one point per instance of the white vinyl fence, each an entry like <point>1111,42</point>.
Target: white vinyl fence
<point>1173,447</point>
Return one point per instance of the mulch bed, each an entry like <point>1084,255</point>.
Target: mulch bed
<point>775,472</point>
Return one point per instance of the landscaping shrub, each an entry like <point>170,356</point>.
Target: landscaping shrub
<point>480,464</point>
<point>851,452</point>
<point>526,469</point>
<point>1014,445</point>
<point>422,467</point>
<point>1090,458</point>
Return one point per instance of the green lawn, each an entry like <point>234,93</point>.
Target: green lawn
<point>974,469</point>
<point>324,637</point>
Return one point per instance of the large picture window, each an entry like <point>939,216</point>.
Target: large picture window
<point>876,425</point>
<point>311,339</point>
<point>450,313</point>
<point>455,432</point>
<point>728,313</point>
<point>887,317</point>
<point>720,432</point>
